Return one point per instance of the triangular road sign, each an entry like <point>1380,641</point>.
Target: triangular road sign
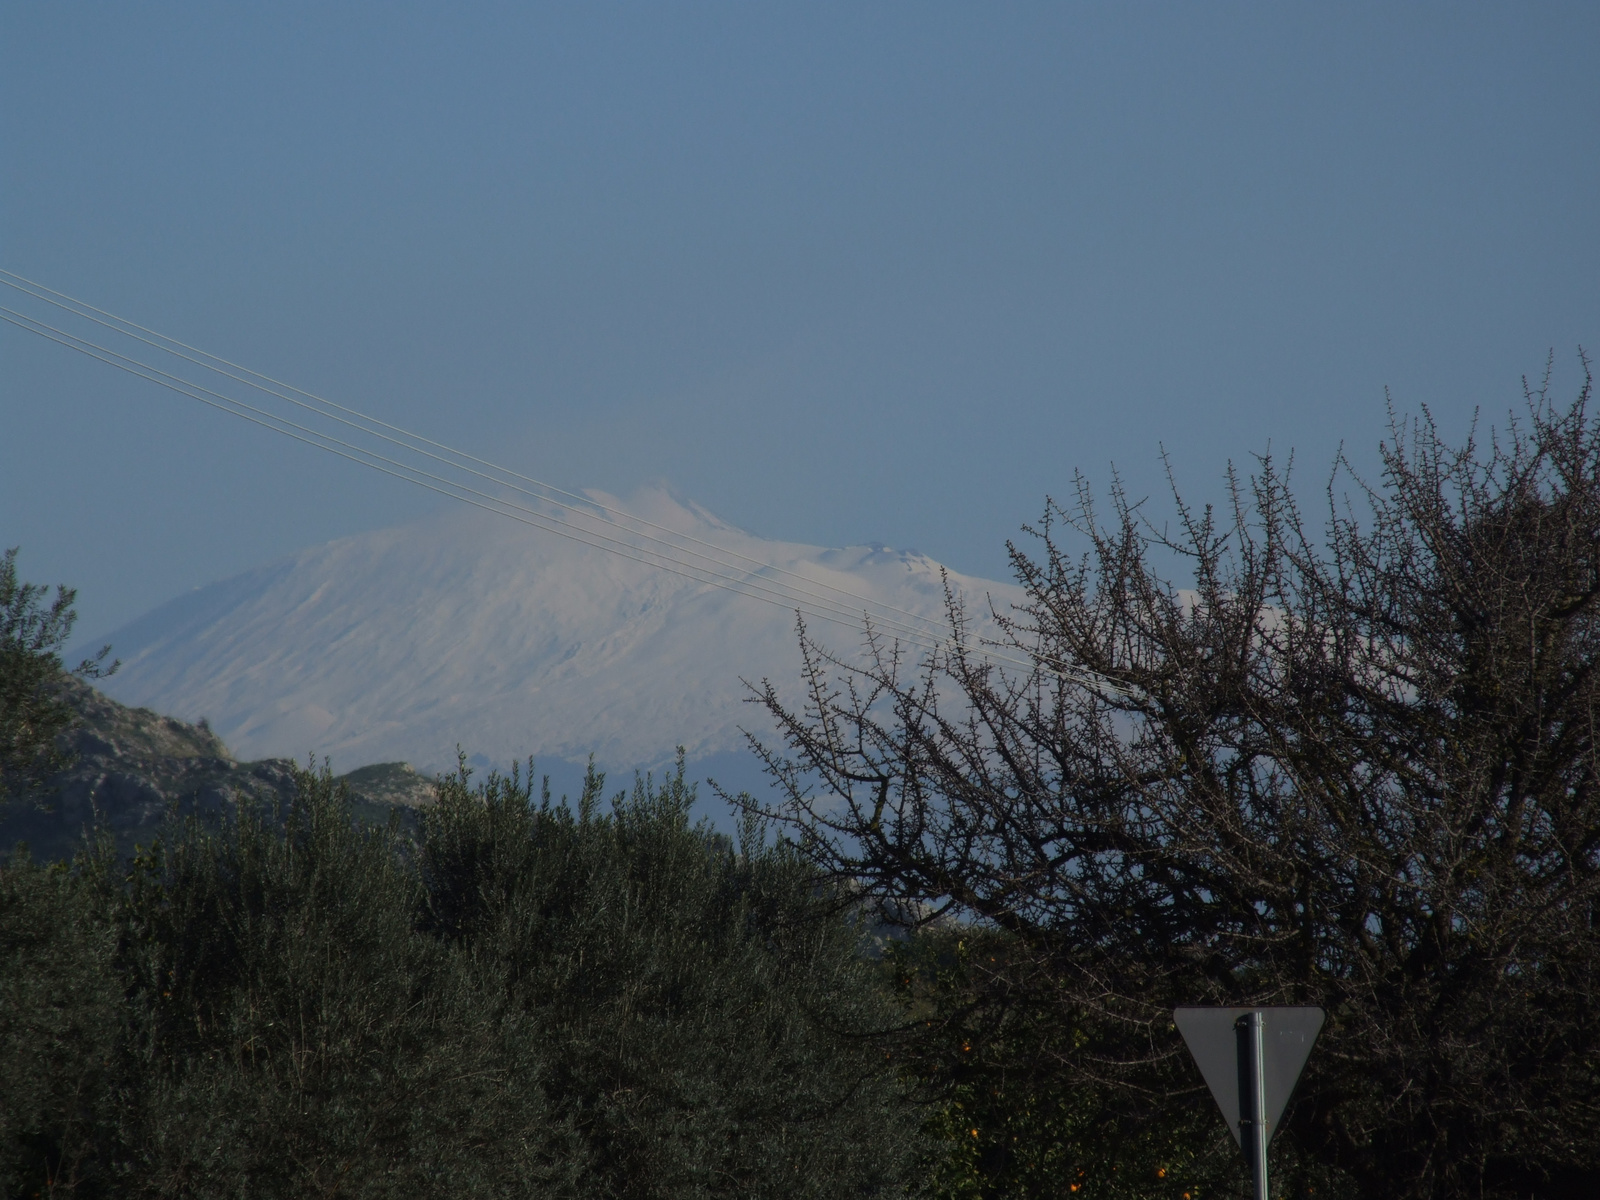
<point>1216,1040</point>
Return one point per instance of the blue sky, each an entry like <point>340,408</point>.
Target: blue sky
<point>839,272</point>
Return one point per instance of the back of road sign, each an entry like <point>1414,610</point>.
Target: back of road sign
<point>1213,1039</point>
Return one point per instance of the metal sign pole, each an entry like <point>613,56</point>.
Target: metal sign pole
<point>1251,1029</point>
<point>1250,1059</point>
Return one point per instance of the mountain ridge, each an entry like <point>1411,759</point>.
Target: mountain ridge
<point>467,629</point>
<point>132,769</point>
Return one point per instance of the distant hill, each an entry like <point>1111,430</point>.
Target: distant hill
<point>470,629</point>
<point>133,766</point>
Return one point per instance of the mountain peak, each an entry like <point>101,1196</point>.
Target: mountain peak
<point>466,628</point>
<point>659,502</point>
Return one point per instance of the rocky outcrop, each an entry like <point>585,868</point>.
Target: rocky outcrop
<point>133,769</point>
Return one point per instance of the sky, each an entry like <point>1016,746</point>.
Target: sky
<point>839,272</point>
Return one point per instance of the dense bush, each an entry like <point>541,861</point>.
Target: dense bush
<point>1011,1123</point>
<point>61,1030</point>
<point>297,1034</point>
<point>705,1013</point>
<point>528,1001</point>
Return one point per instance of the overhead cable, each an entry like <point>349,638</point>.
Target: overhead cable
<point>710,564</point>
<point>436,483</point>
<point>888,614</point>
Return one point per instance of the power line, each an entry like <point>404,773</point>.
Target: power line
<point>63,301</point>
<point>674,558</point>
<point>524,516</point>
<point>433,482</point>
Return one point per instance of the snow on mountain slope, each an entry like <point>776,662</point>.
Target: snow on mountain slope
<point>468,628</point>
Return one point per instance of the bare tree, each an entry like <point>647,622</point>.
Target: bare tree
<point>1354,767</point>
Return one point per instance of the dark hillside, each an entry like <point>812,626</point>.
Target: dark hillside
<point>132,765</point>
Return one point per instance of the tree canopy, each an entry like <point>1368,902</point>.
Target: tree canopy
<point>32,713</point>
<point>1350,763</point>
<point>532,999</point>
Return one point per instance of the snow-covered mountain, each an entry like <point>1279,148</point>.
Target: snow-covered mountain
<point>470,629</point>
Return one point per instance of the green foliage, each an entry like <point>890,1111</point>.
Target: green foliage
<point>297,1034</point>
<point>60,1029</point>
<point>706,1015</point>
<point>529,1001</point>
<point>31,712</point>
<point>1014,1121</point>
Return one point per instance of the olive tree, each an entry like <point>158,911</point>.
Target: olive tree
<point>33,629</point>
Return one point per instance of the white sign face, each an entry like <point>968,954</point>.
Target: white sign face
<point>1213,1038</point>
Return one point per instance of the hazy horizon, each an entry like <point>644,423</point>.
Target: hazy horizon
<point>841,274</point>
